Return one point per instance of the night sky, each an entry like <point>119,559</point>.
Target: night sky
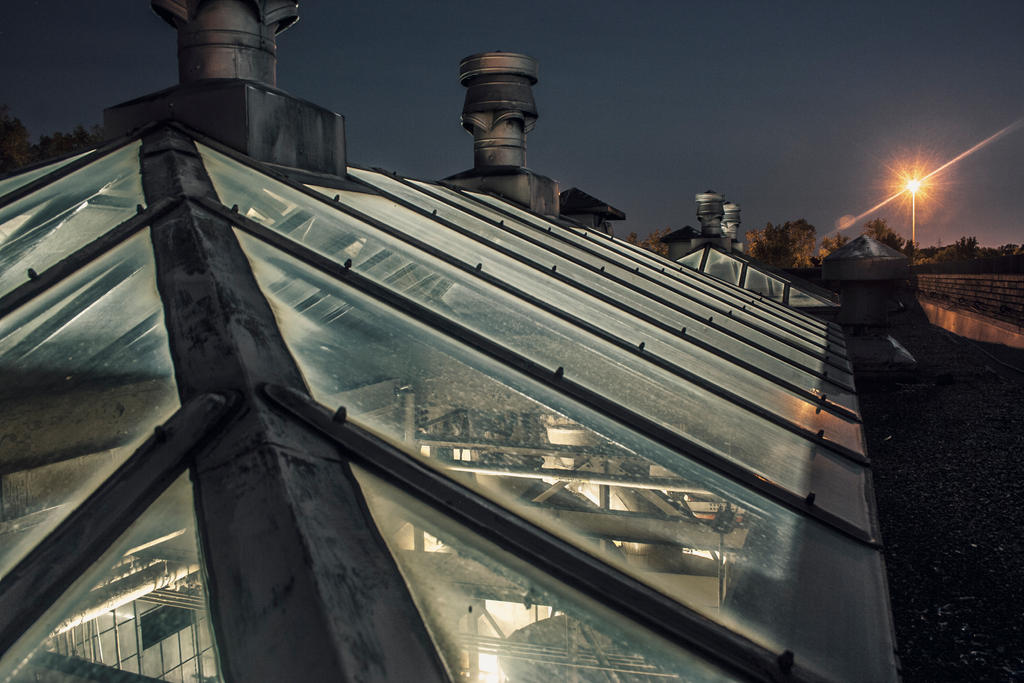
<point>793,110</point>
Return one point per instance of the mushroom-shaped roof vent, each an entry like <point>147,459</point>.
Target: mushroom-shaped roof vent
<point>865,259</point>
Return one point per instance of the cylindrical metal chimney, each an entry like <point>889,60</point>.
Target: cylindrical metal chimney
<point>499,110</point>
<point>709,213</point>
<point>730,219</point>
<point>228,38</point>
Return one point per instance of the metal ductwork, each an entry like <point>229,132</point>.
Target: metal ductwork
<point>132,587</point>
<point>730,219</point>
<point>709,213</point>
<point>228,38</point>
<point>499,109</point>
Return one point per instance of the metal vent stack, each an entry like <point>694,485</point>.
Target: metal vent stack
<point>228,38</point>
<point>730,219</point>
<point>499,111</point>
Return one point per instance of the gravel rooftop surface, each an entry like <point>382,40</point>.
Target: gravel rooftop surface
<point>947,452</point>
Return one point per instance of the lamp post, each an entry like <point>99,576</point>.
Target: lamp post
<point>913,186</point>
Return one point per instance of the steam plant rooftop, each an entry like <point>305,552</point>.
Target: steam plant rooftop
<point>268,413</point>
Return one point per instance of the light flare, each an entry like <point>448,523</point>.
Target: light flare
<point>919,180</point>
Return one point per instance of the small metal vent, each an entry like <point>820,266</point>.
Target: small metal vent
<point>709,213</point>
<point>499,109</point>
<point>730,219</point>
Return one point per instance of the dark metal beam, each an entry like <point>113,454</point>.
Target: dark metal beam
<point>816,402</point>
<point>301,585</point>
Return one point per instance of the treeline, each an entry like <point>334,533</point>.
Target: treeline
<point>794,244</point>
<point>17,149</point>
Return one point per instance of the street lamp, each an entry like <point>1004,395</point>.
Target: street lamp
<point>913,185</point>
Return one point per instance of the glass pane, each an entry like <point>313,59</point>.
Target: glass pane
<point>723,267</point>
<point>659,342</point>
<point>657,262</point>
<point>692,534</point>
<point>86,376</point>
<point>692,260</point>
<point>776,288</point>
<point>494,617</point>
<point>12,183</point>
<point>38,230</point>
<point>800,298</point>
<point>152,582</point>
<point>716,298</point>
<point>762,284</point>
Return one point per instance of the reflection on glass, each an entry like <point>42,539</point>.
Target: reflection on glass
<point>709,543</point>
<point>760,283</point>
<point>692,260</point>
<point>141,608</point>
<point>85,376</point>
<point>13,182</point>
<point>40,229</point>
<point>724,268</point>
<point>495,618</point>
<point>799,298</point>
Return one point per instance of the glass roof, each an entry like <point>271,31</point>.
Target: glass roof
<point>41,228</point>
<point>140,609</point>
<point>493,615</point>
<point>94,351</point>
<point>745,272</point>
<point>583,287</point>
<point>733,316</point>
<point>793,461</point>
<point>554,461</point>
<point>663,272</point>
<point>664,426</point>
<point>681,352</point>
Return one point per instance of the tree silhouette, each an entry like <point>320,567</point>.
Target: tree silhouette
<point>878,229</point>
<point>16,149</point>
<point>652,242</point>
<point>830,244</point>
<point>789,245</point>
